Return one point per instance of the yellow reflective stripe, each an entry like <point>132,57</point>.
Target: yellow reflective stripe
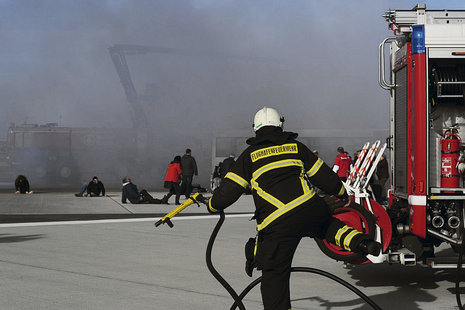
<point>282,208</point>
<point>342,191</point>
<point>288,207</point>
<point>276,165</point>
<point>316,166</point>
<point>211,208</point>
<point>339,233</point>
<point>304,183</point>
<point>349,237</point>
<point>271,199</point>
<point>237,179</point>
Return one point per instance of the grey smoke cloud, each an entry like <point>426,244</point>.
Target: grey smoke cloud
<point>314,61</point>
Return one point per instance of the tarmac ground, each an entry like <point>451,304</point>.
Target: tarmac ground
<point>59,251</point>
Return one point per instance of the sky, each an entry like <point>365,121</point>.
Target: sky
<point>314,61</point>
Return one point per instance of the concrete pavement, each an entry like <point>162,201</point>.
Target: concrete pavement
<point>127,263</point>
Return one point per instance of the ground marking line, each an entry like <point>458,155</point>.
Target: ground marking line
<point>152,219</point>
<point>103,277</point>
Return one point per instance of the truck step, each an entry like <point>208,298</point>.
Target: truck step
<point>444,262</point>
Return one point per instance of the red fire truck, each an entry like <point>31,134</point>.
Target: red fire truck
<point>426,83</point>
<point>54,156</point>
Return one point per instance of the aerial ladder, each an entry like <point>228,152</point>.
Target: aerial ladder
<point>119,52</point>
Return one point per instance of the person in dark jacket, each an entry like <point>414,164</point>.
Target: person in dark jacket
<point>382,172</point>
<point>95,188</point>
<point>131,193</point>
<point>172,179</point>
<point>356,155</point>
<point>216,177</point>
<point>22,185</point>
<point>189,169</point>
<point>279,170</point>
<point>226,165</point>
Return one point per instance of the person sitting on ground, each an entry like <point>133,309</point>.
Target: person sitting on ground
<point>93,189</point>
<point>22,185</point>
<point>131,193</point>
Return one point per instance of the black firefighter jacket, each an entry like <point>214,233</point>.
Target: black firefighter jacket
<point>278,169</point>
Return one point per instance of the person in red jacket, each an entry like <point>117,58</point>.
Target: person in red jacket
<point>342,164</point>
<point>172,179</point>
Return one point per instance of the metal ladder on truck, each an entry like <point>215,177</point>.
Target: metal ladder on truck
<point>402,20</point>
<point>363,169</point>
<point>358,182</point>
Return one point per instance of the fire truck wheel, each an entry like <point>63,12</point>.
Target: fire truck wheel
<point>357,217</point>
<point>65,172</point>
<point>40,172</point>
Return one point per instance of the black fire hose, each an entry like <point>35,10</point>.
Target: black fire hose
<point>231,291</point>
<point>459,271</point>
<point>238,298</point>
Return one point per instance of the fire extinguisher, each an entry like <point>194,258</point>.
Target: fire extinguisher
<point>450,151</point>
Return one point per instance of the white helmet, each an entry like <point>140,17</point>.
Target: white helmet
<point>267,117</point>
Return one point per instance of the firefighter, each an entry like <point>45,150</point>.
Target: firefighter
<point>278,169</point>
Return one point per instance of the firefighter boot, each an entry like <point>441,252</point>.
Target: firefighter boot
<point>368,246</point>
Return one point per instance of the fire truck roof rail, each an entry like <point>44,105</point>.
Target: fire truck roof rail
<point>402,20</point>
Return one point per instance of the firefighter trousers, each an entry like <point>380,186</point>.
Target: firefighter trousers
<point>277,243</point>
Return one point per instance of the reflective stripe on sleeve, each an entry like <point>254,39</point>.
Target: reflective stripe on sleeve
<point>342,191</point>
<point>211,208</point>
<point>339,233</point>
<point>349,237</point>
<point>237,179</point>
<point>316,166</point>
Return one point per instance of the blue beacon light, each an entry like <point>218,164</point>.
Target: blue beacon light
<point>418,39</point>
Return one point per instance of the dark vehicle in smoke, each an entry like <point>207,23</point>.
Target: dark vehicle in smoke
<point>51,155</point>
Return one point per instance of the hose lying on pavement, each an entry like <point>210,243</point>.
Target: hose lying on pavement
<point>238,298</point>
